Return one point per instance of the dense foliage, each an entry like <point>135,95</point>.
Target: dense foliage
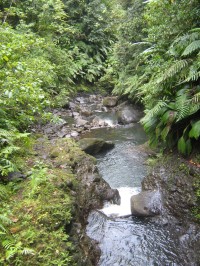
<point>34,214</point>
<point>46,47</point>
<point>159,50</point>
<point>146,50</point>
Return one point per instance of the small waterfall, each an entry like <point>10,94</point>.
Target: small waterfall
<point>122,210</point>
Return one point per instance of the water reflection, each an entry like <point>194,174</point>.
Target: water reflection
<point>132,241</point>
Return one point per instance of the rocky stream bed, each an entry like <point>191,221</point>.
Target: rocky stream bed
<point>162,230</point>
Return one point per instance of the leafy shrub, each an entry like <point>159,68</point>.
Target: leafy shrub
<point>175,118</point>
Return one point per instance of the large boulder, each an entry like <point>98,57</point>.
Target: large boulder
<point>110,101</point>
<point>146,203</point>
<point>128,114</point>
<point>94,145</point>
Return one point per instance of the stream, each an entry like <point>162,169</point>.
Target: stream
<point>125,240</point>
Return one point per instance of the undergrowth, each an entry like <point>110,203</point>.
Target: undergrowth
<point>35,212</point>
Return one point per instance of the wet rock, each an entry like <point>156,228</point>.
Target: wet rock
<point>81,122</point>
<point>63,133</point>
<point>74,134</point>
<point>128,114</point>
<point>49,130</point>
<point>146,203</point>
<point>92,189</point>
<point>94,145</point>
<point>85,112</point>
<point>81,100</point>
<point>72,105</point>
<point>112,195</point>
<point>75,114</point>
<point>16,175</point>
<point>110,101</point>
<point>98,122</point>
<point>94,98</point>
<point>177,186</point>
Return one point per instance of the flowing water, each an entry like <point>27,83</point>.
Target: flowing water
<point>125,240</point>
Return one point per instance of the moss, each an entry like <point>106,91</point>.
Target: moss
<point>40,208</point>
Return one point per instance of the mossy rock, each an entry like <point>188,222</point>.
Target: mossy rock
<point>93,146</point>
<point>110,101</point>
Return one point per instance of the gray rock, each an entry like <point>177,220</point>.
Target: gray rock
<point>81,100</point>
<point>75,114</point>
<point>81,122</point>
<point>112,195</point>
<point>146,203</point>
<point>15,176</point>
<point>63,132</point>
<point>95,98</point>
<point>85,111</point>
<point>94,145</point>
<point>110,101</point>
<point>128,114</point>
<point>74,134</point>
<point>72,105</point>
<point>98,122</point>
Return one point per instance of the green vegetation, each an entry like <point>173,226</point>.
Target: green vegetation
<point>148,51</point>
<point>46,49</point>
<point>159,52</point>
<point>34,213</point>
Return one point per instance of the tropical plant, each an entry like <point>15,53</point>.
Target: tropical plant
<point>158,60</point>
<point>176,116</point>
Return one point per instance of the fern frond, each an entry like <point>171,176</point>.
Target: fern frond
<point>157,108</point>
<point>3,193</point>
<point>8,244</point>
<point>193,77</point>
<point>10,253</point>
<point>140,43</point>
<point>2,230</point>
<point>173,70</point>
<point>183,112</point>
<point>6,133</point>
<point>194,108</point>
<point>27,251</point>
<point>196,98</point>
<point>9,150</point>
<point>5,220</point>
<point>186,39</point>
<point>195,30</point>
<point>195,45</point>
<point>182,105</point>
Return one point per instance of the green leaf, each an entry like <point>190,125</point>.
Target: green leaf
<point>165,132</point>
<point>195,131</point>
<point>188,147</point>
<point>168,117</point>
<point>182,145</point>
<point>5,58</point>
